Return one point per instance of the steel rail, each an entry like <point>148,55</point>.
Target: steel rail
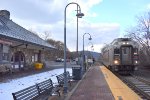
<point>135,88</point>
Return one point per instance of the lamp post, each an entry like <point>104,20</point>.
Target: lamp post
<point>91,45</point>
<point>77,34</point>
<point>77,29</point>
<point>90,57</point>
<point>79,15</point>
<point>91,48</point>
<point>83,62</point>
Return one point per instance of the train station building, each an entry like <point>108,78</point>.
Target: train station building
<point>20,48</point>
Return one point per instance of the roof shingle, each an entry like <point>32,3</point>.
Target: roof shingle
<point>10,29</point>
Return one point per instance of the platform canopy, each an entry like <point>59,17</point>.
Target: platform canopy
<point>12,31</point>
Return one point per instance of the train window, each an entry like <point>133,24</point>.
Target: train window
<point>116,51</point>
<point>116,43</point>
<point>135,51</point>
<point>124,51</point>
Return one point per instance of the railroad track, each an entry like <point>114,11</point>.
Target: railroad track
<point>140,85</point>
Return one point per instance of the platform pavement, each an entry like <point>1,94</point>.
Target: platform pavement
<point>119,89</point>
<point>93,86</point>
<point>98,83</point>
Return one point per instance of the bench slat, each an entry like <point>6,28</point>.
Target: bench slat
<point>41,89</point>
<point>28,93</point>
<point>60,78</point>
<point>45,86</point>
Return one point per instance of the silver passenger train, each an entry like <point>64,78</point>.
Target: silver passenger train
<point>121,55</point>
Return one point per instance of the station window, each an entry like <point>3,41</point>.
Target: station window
<point>12,58</point>
<point>21,57</point>
<point>32,58</point>
<point>116,51</point>
<point>5,57</point>
<point>35,57</point>
<point>5,49</point>
<point>5,52</point>
<point>18,56</point>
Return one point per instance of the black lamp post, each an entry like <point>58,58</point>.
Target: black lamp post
<point>78,15</point>
<point>83,62</point>
<point>77,31</point>
<point>92,48</point>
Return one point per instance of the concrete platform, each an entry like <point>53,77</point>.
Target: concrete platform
<point>101,84</point>
<point>93,86</point>
<point>119,90</point>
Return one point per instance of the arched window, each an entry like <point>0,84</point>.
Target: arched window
<point>18,57</point>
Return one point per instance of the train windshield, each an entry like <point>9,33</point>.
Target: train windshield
<point>135,51</point>
<point>116,51</point>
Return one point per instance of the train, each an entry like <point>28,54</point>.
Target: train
<point>121,55</point>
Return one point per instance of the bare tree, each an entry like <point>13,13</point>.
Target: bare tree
<point>141,33</point>
<point>59,46</point>
<point>47,35</point>
<point>33,32</point>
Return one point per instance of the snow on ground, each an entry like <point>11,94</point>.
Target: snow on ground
<point>6,89</point>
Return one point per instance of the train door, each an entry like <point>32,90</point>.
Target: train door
<point>126,55</point>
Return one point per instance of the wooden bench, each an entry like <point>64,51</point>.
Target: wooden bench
<point>60,79</point>
<point>40,91</point>
<point>29,93</point>
<point>45,89</point>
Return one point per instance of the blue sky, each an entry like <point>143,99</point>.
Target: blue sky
<point>123,12</point>
<point>105,20</point>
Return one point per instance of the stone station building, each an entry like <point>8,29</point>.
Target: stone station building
<point>20,48</point>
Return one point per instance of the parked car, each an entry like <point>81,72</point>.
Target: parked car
<point>62,60</point>
<point>58,60</point>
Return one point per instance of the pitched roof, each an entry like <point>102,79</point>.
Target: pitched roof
<point>10,29</point>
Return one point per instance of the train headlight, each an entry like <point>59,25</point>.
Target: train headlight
<point>135,53</point>
<point>123,43</point>
<point>136,62</point>
<point>116,62</point>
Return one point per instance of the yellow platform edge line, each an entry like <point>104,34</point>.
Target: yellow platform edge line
<point>119,89</point>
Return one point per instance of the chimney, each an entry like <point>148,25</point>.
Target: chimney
<point>5,13</point>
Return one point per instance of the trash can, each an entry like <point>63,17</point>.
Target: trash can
<point>38,66</point>
<point>77,73</point>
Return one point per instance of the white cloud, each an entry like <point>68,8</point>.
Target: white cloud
<point>93,15</point>
<point>48,15</point>
<point>86,6</point>
<point>96,47</point>
<point>100,32</point>
<point>41,11</point>
<point>148,6</point>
